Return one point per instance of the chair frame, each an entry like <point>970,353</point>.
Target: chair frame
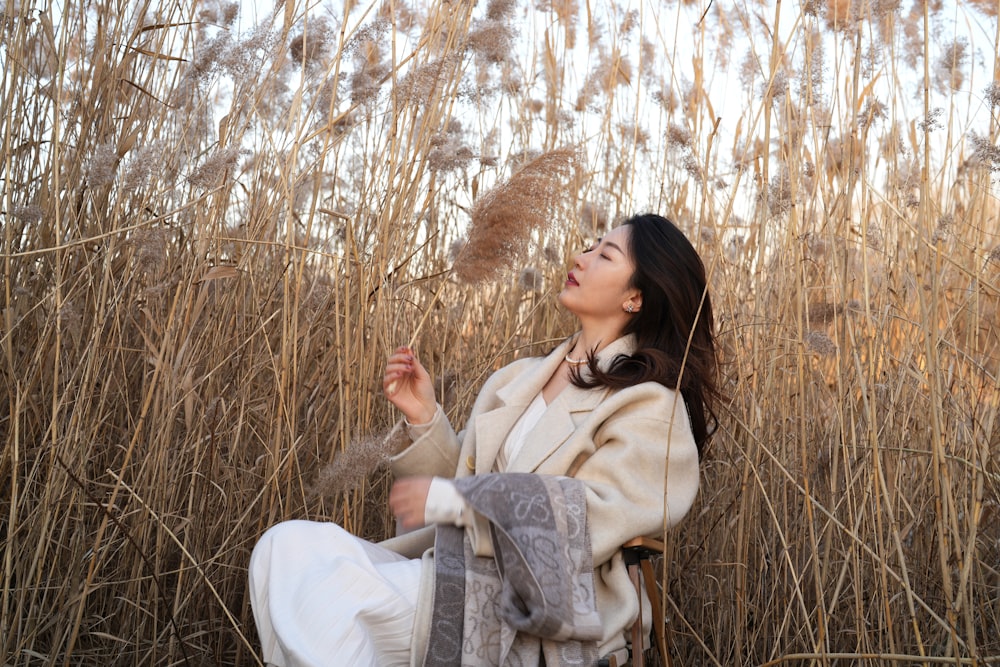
<point>637,553</point>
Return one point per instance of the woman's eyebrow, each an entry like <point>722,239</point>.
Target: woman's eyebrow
<point>609,244</point>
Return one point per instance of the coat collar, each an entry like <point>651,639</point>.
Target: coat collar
<point>522,392</point>
<point>556,425</point>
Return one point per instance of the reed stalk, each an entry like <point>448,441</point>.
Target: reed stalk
<point>215,227</point>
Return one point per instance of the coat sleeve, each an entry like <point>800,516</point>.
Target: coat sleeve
<point>643,473</point>
<point>436,449</point>
<point>433,452</point>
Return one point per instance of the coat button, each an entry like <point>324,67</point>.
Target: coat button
<point>470,463</point>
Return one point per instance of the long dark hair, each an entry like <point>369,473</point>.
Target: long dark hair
<point>673,328</point>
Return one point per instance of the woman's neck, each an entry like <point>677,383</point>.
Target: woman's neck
<point>593,340</point>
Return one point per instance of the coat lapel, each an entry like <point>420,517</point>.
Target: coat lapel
<point>561,417</point>
<point>492,427</point>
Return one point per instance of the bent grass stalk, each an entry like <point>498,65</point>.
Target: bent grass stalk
<point>502,222</point>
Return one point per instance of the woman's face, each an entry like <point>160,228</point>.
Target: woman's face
<point>597,287</point>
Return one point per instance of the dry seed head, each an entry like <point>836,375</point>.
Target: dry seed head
<point>500,10</point>
<point>821,312</point>
<point>222,14</point>
<point>691,165</point>
<point>992,94</point>
<point>749,70</point>
<point>678,136</point>
<point>811,79</point>
<point>913,36</point>
<point>593,220</point>
<point>666,99</point>
<point>420,83</point>
<point>820,343</point>
<point>29,214</point>
<point>874,238</point>
<point>629,23</point>
<point>634,134</point>
<point>102,165</point>
<point>362,457</point>
<point>842,15</point>
<point>994,256</point>
<point>504,218</point>
<point>449,156</point>
<point>215,167</point>
<point>647,61</point>
<point>815,8</point>
<point>987,7</point>
<point>455,249</point>
<point>551,255</point>
<point>779,196</point>
<point>142,163</point>
<point>984,152</point>
<point>373,33</point>
<point>948,72</point>
<point>310,45</point>
<point>366,81</point>
<point>872,110</point>
<point>778,87</point>
<point>944,228</point>
<point>399,14</point>
<point>491,40</point>
<point>531,279</point>
<point>150,250</point>
<point>208,55</point>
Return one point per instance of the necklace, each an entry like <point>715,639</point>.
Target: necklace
<point>574,362</point>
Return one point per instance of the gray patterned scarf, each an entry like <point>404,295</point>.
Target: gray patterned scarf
<point>535,597</point>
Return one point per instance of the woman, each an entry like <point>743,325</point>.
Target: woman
<point>600,413</point>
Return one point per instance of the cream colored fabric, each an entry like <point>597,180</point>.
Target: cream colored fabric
<point>323,597</point>
<point>445,504</point>
<point>641,474</point>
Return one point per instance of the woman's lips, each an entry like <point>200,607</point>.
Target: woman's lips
<point>571,279</point>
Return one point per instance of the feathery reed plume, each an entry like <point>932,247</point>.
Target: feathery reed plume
<point>102,166</point>
<point>419,84</point>
<point>491,40</point>
<point>984,152</point>
<point>531,279</point>
<point>310,45</point>
<point>992,94</point>
<point>504,218</point>
<point>820,343</point>
<point>948,74</point>
<point>994,256</point>
<point>28,214</point>
<point>593,220</point>
<point>447,150</point>
<point>216,166</point>
<point>362,457</point>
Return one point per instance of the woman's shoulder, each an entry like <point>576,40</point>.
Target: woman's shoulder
<point>504,374</point>
<point>650,400</point>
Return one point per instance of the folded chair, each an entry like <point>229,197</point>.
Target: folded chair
<point>637,553</point>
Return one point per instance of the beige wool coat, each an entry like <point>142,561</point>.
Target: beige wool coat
<point>633,448</point>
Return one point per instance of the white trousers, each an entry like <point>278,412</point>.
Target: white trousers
<point>323,597</point>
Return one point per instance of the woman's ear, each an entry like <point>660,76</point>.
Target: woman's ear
<point>636,300</point>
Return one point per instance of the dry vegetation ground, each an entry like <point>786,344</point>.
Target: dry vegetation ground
<point>212,237</point>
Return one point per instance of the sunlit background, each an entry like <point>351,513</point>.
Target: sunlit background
<point>217,219</point>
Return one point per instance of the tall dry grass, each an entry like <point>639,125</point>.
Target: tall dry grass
<point>214,232</point>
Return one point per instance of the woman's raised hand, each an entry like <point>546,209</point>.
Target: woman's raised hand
<point>408,386</point>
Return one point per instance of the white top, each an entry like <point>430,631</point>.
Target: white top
<point>444,503</point>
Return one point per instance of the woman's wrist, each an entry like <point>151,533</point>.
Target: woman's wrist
<point>421,417</point>
<point>421,420</point>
